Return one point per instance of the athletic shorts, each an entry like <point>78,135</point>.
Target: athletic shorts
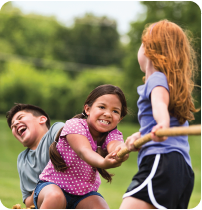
<point>72,200</point>
<point>163,180</point>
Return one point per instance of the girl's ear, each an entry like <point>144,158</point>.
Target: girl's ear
<point>87,109</point>
<point>42,119</point>
<point>120,119</point>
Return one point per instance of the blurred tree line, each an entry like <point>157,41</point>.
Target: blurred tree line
<point>45,63</point>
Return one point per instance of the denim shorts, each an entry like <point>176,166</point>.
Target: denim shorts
<point>72,200</point>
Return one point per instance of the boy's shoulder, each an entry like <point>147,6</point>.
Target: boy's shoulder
<point>53,130</point>
<point>56,126</point>
<point>22,155</point>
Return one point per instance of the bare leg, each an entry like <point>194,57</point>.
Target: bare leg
<point>51,197</point>
<point>134,203</point>
<point>92,202</point>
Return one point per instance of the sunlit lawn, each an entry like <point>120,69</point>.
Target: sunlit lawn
<point>10,193</point>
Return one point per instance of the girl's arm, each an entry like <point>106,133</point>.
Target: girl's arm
<point>160,102</point>
<point>115,146</point>
<point>83,149</point>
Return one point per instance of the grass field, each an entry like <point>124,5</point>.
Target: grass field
<point>10,193</point>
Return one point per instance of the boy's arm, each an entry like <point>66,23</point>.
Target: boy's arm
<point>29,200</point>
<point>160,102</point>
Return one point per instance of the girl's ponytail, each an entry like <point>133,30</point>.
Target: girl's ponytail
<point>81,116</point>
<point>56,159</point>
<point>106,175</point>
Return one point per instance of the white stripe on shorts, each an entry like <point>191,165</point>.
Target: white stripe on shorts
<point>148,182</point>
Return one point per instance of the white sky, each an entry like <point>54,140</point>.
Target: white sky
<point>123,12</point>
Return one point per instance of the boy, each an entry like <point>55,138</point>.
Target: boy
<point>30,125</point>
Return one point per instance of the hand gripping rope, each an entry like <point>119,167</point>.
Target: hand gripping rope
<point>174,131</point>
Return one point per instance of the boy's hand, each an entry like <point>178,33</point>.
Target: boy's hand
<point>130,141</point>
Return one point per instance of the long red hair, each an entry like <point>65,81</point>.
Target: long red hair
<point>169,49</point>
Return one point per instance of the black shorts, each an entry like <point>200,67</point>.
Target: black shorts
<point>163,180</point>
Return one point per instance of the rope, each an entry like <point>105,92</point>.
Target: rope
<point>174,131</point>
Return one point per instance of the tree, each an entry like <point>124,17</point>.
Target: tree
<point>27,35</point>
<point>32,43</point>
<point>95,41</point>
<point>92,41</point>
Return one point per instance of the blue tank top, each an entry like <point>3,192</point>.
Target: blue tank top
<point>145,117</point>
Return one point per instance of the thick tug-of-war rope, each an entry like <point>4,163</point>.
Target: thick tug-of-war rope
<point>174,131</point>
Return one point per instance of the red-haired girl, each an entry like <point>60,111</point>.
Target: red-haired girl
<point>165,178</point>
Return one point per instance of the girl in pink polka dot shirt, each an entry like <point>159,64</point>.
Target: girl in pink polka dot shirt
<point>85,147</point>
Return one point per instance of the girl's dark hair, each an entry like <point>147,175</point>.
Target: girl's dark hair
<point>57,161</point>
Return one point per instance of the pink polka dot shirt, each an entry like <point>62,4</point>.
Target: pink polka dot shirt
<point>80,178</point>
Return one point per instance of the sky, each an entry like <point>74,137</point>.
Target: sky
<point>123,12</point>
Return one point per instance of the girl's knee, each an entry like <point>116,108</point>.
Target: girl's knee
<point>51,197</point>
<point>92,202</point>
<point>56,198</point>
<point>55,195</point>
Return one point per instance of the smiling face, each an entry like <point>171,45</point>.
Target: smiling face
<point>104,114</point>
<point>28,129</point>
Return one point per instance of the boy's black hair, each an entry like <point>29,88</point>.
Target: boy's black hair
<point>35,110</point>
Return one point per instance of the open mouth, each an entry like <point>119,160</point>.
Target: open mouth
<point>21,130</point>
<point>104,122</point>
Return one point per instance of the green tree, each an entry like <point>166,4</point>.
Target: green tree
<point>92,40</point>
<point>27,35</point>
<point>187,14</point>
<point>95,40</point>
<point>50,90</point>
<point>31,43</point>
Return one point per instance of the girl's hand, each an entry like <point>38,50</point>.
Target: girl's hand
<point>154,129</point>
<point>110,161</point>
<point>117,149</point>
<point>130,141</point>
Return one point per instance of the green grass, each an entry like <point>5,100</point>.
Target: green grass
<point>10,193</point>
